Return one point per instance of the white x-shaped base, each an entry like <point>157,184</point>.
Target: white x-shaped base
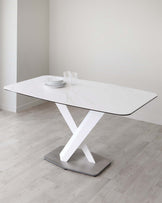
<point>79,133</point>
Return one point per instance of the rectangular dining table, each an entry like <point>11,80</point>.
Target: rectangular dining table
<point>98,98</point>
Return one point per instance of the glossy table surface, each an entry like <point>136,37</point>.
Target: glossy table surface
<point>97,96</point>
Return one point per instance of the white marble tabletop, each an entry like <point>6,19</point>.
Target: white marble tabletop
<point>107,98</point>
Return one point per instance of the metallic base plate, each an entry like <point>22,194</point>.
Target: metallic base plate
<point>78,162</point>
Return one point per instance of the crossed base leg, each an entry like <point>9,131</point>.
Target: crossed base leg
<point>79,134</point>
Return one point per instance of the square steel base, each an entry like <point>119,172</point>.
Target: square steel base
<point>78,162</point>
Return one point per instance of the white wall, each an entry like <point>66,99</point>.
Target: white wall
<point>33,43</point>
<point>24,47</point>
<point>8,51</point>
<point>116,41</point>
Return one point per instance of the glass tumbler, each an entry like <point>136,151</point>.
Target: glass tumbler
<point>74,78</point>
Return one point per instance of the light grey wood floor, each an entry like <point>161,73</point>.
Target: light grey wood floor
<point>135,147</point>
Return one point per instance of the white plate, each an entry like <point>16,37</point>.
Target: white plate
<point>51,83</point>
<point>57,81</point>
<point>55,85</point>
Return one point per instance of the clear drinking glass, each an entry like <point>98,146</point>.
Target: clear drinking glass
<point>70,78</point>
<point>74,78</point>
<point>67,75</point>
